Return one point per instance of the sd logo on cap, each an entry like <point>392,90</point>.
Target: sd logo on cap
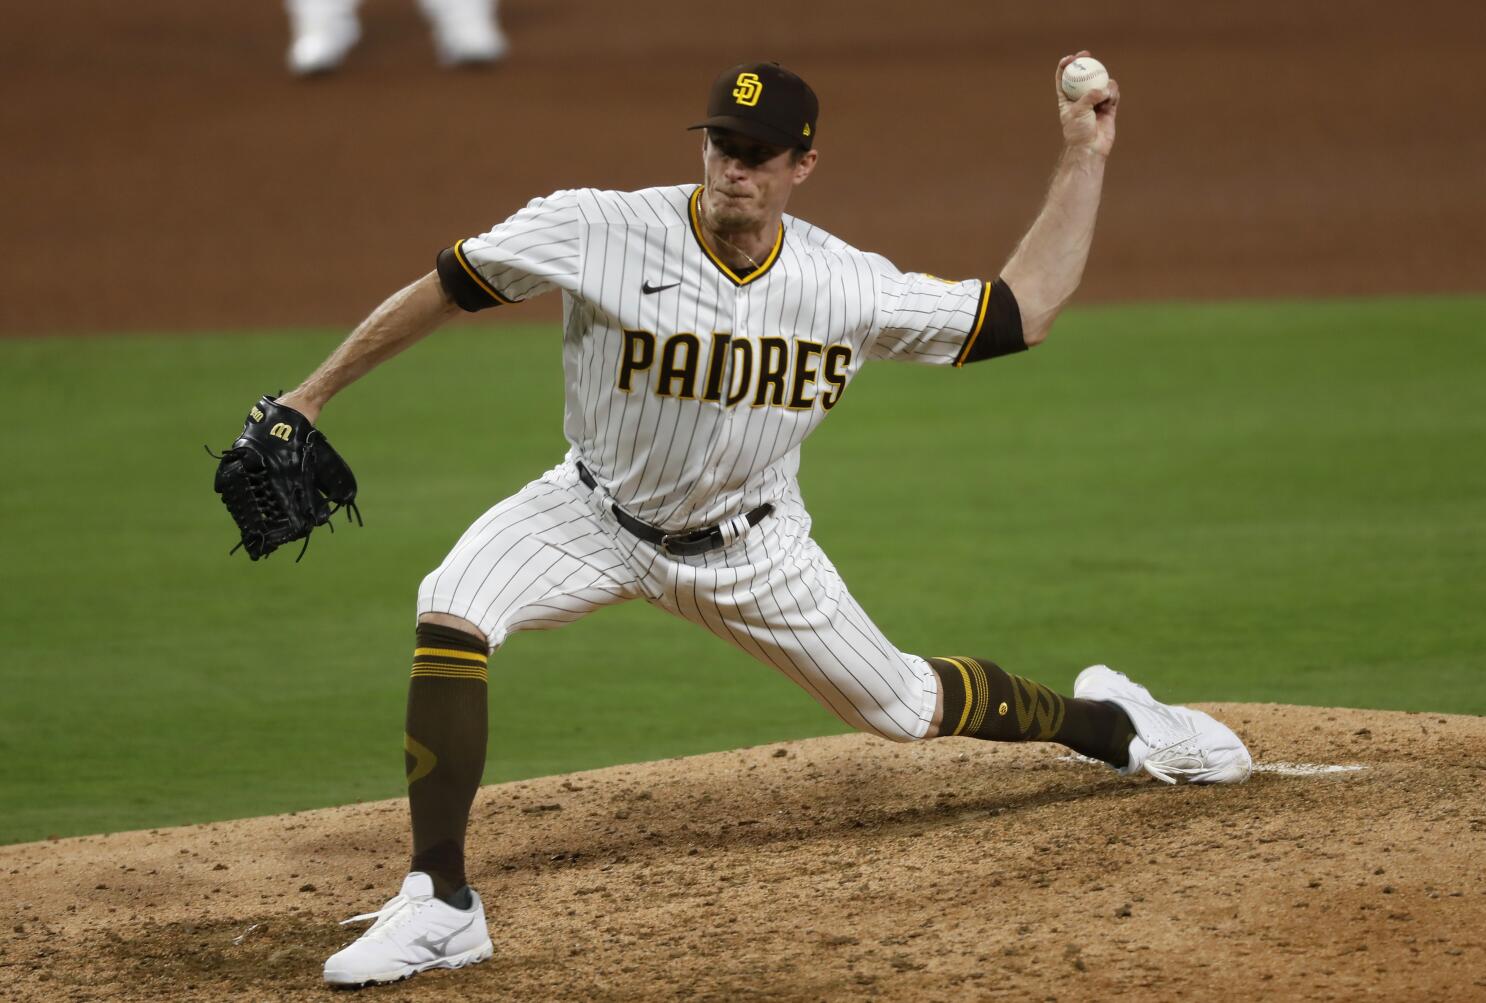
<point>748,89</point>
<point>763,101</point>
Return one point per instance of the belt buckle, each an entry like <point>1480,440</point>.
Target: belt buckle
<point>697,541</point>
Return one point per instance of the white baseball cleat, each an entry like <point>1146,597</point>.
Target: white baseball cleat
<point>413,932</point>
<point>465,32</point>
<point>324,32</point>
<point>1173,744</point>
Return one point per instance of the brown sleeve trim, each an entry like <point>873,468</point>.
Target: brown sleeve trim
<point>980,319</point>
<point>463,282</point>
<point>998,326</point>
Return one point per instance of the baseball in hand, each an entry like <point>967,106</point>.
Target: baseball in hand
<point>1082,75</point>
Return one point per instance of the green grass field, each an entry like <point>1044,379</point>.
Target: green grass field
<point>1279,501</point>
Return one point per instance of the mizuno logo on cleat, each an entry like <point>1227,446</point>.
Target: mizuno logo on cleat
<point>439,947</point>
<point>650,290</point>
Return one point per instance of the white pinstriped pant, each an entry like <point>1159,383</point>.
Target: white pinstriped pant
<point>553,552</point>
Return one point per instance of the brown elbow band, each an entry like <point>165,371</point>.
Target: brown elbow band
<point>464,285</point>
<point>1000,329</point>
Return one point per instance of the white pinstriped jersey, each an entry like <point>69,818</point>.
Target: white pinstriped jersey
<point>689,388</point>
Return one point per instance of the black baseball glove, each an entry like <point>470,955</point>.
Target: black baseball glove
<point>281,479</point>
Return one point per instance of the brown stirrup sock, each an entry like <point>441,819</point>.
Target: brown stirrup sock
<point>981,700</point>
<point>444,748</point>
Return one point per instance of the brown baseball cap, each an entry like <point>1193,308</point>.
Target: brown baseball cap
<point>763,101</point>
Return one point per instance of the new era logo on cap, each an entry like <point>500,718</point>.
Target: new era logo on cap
<point>763,101</point>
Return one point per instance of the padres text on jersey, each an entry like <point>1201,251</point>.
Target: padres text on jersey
<point>689,386</point>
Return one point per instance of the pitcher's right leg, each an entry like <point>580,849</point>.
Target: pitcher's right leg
<point>979,699</point>
<point>781,600</point>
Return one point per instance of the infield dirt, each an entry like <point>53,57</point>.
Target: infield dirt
<point>163,171</point>
<point>833,869</point>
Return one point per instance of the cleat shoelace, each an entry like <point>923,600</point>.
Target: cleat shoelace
<point>1159,762</point>
<point>388,918</point>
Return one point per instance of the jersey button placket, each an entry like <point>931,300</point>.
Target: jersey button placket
<point>740,330</point>
<point>722,443</point>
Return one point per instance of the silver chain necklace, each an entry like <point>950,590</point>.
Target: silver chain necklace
<point>702,211</point>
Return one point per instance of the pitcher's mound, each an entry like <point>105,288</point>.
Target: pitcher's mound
<point>836,868</point>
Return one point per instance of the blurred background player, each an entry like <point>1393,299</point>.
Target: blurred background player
<point>465,32</point>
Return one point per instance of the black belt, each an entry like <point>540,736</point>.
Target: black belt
<point>696,541</point>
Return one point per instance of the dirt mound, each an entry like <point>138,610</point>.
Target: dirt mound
<point>834,868</point>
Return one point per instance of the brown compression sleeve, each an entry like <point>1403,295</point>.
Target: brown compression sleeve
<point>466,286</point>
<point>999,327</point>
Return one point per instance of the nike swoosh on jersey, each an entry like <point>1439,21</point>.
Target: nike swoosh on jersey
<point>649,289</point>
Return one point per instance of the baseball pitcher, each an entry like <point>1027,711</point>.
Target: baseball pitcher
<point>706,333</point>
